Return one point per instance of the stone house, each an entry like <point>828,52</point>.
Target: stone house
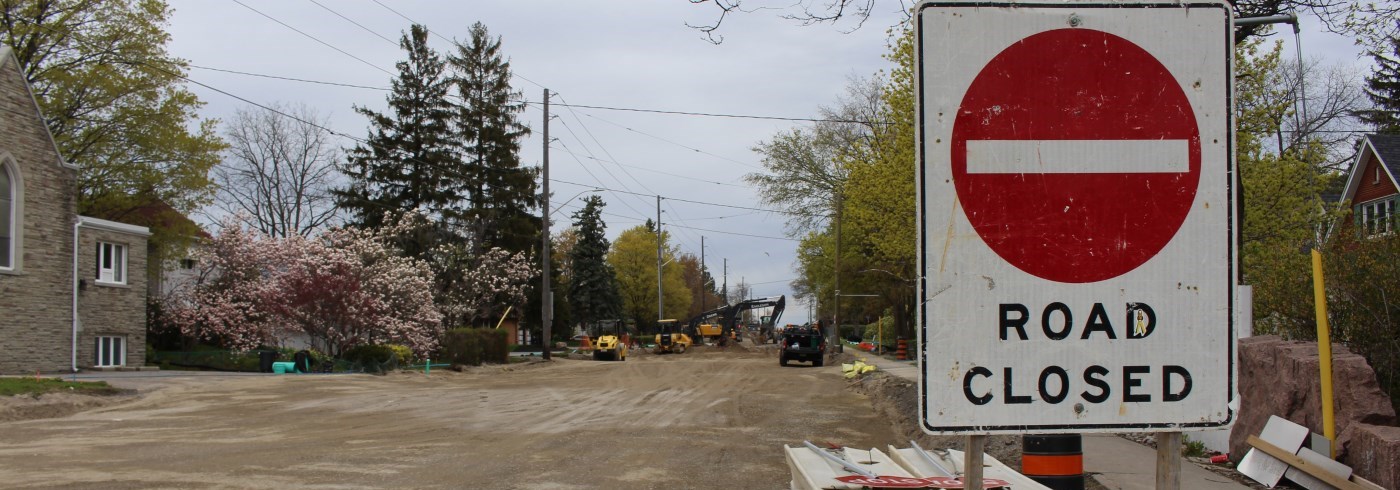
<point>1371,186</point>
<point>72,288</point>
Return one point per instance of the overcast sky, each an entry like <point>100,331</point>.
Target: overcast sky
<point>628,54</point>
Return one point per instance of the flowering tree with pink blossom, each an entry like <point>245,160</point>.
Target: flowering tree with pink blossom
<point>479,289</point>
<point>342,288</point>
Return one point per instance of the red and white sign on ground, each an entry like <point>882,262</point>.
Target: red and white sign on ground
<point>1077,226</point>
<point>909,482</point>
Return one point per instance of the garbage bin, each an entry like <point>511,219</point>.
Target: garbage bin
<point>302,361</point>
<point>284,367</point>
<point>265,360</point>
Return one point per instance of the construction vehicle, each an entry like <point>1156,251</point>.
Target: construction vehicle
<point>611,344</point>
<point>723,324</point>
<point>670,339</point>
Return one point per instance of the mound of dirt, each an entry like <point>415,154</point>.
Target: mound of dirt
<point>897,400</point>
<point>53,405</point>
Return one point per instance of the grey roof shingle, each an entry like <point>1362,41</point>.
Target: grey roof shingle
<point>1388,148</point>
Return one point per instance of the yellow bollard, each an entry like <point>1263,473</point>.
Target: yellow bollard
<point>1324,354</point>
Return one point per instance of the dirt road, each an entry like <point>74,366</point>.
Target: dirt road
<point>704,419</point>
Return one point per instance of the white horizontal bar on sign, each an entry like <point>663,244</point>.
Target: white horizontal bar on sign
<point>1077,156</point>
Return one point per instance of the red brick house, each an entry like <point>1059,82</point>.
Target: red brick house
<point>1371,184</point>
<point>72,288</point>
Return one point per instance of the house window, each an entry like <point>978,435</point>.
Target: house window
<point>187,264</point>
<point>7,218</point>
<point>1377,217</point>
<point>109,351</point>
<point>111,263</point>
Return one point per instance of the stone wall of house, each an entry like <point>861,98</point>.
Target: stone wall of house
<point>36,297</point>
<point>106,309</point>
<point>1280,377</point>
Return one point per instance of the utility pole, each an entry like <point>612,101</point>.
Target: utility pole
<point>703,292</point>
<point>724,291</point>
<point>836,274</point>
<point>546,297</point>
<point>659,298</point>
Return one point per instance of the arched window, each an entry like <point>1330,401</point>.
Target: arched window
<point>7,218</point>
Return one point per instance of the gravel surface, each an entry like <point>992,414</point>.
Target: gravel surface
<point>704,419</point>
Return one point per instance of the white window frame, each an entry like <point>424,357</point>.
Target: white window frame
<point>111,263</point>
<point>109,351</point>
<point>10,198</point>
<point>1377,217</point>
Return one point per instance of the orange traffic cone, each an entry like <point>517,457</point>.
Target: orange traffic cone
<point>585,344</point>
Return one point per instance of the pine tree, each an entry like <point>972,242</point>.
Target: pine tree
<point>500,193</point>
<point>410,159</point>
<point>1383,87</point>
<point>593,291</point>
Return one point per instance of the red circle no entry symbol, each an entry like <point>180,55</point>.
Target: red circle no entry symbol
<point>1075,155</point>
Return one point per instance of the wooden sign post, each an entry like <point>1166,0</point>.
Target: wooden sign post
<point>972,462</point>
<point>1168,461</point>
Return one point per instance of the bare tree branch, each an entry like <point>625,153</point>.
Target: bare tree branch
<point>278,171</point>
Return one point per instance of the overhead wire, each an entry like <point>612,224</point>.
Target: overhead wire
<point>357,24</point>
<point>440,36</point>
<point>313,38</point>
<point>682,145</point>
<point>662,172</point>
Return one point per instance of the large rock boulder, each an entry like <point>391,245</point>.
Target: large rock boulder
<point>1279,377</point>
<point>1374,453</point>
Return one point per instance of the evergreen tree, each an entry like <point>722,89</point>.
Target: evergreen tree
<point>410,158</point>
<point>500,193</point>
<point>593,291</point>
<point>1383,87</point>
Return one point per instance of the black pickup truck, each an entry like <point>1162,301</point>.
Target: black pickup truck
<point>803,344</point>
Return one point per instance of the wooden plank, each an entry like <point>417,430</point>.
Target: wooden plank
<point>1168,461</point>
<point>1302,464</point>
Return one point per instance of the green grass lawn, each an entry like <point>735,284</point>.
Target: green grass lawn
<point>20,386</point>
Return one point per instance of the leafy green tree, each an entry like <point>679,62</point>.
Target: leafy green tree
<point>1284,214</point>
<point>803,167</point>
<point>592,289</point>
<point>1383,88</point>
<point>409,160</point>
<point>500,193</point>
<point>879,195</point>
<point>114,100</point>
<point>1363,279</point>
<point>633,258</point>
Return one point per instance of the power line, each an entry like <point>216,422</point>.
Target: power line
<point>691,148</point>
<point>313,38</point>
<point>679,176</point>
<point>357,24</point>
<point>440,36</point>
<point>694,202</point>
<point>303,80</point>
<point>733,116</point>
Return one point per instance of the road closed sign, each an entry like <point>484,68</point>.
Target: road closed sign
<point>1076,216</point>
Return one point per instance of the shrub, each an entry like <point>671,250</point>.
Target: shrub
<point>374,358</point>
<point>403,353</point>
<point>474,346</point>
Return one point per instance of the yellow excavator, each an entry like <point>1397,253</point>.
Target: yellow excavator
<point>722,325</point>
<point>670,339</point>
<point>610,345</point>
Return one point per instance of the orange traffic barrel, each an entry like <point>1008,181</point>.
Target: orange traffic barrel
<point>902,353</point>
<point>1054,460</point>
<point>585,344</point>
